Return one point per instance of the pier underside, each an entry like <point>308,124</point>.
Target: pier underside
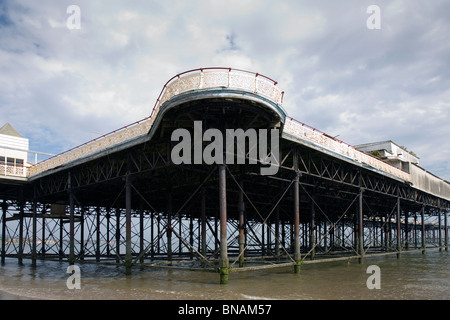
<point>134,206</point>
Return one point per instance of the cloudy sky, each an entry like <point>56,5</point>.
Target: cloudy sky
<point>61,87</point>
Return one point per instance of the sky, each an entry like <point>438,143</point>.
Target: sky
<point>61,87</point>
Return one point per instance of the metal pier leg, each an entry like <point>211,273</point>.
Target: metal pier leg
<point>445,230</point>
<point>141,231</point>
<point>180,222</point>
<point>360,227</point>
<point>422,216</point>
<point>439,230</point>
<point>128,222</point>
<point>43,236</point>
<point>203,229</point>
<point>277,232</point>
<point>415,230</point>
<point>61,239</point>
<point>312,240</point>
<point>72,222</point>
<point>223,262</point>
<point>152,235</point>
<point>399,234</point>
<point>241,225</point>
<point>82,234</point>
<point>97,234</point>
<point>191,236</point>
<point>4,210</point>
<point>108,223</point>
<point>297,256</point>
<point>117,235</point>
<point>20,253</point>
<point>34,238</point>
<point>169,228</point>
<point>406,230</point>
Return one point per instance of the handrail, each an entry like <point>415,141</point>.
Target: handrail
<point>402,173</point>
<point>178,76</point>
<point>93,140</point>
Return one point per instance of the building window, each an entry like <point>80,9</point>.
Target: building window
<point>19,163</point>
<point>12,162</point>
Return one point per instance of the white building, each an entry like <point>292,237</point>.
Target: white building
<point>13,152</point>
<point>391,152</point>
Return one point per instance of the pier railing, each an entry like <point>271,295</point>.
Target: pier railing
<point>304,132</point>
<point>14,171</point>
<point>108,140</point>
<point>207,78</point>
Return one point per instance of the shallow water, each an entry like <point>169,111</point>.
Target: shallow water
<point>413,276</point>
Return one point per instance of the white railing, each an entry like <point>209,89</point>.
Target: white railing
<point>304,132</point>
<point>207,78</point>
<point>101,143</point>
<point>14,171</point>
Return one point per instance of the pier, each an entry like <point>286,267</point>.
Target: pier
<point>121,199</point>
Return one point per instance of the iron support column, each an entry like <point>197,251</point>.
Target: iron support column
<point>117,235</point>
<point>415,231</point>
<point>297,256</point>
<point>223,262</point>
<point>152,235</point>
<point>128,220</point>
<point>422,216</point>
<point>169,228</point>
<point>141,231</point>
<point>82,234</point>
<point>21,210</point>
<point>61,239</point>
<point>108,223</point>
<point>445,230</point>
<point>203,229</point>
<point>241,209</point>
<point>4,210</point>
<point>43,235</point>
<point>33,249</point>
<point>277,232</point>
<point>386,231</point>
<point>439,230</point>
<point>406,230</point>
<point>97,234</point>
<point>312,239</point>
<point>360,227</point>
<point>399,234</point>
<point>72,222</point>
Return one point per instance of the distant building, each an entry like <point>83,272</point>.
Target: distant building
<point>13,152</point>
<point>392,153</point>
